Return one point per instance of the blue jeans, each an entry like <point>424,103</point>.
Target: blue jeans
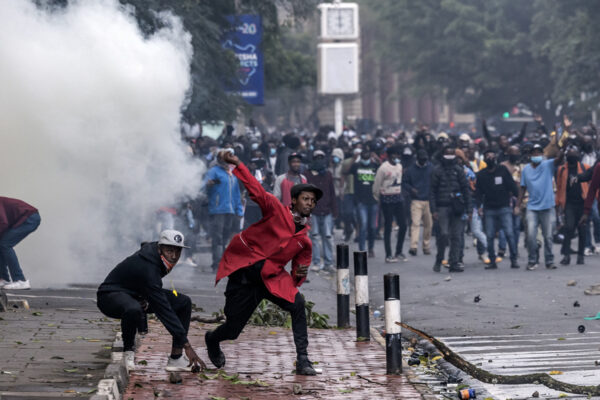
<point>544,218</point>
<point>10,238</point>
<point>500,219</point>
<point>595,219</point>
<point>477,230</point>
<point>367,216</point>
<point>516,233</point>
<point>322,225</point>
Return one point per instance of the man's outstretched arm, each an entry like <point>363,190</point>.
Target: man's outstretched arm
<point>256,191</point>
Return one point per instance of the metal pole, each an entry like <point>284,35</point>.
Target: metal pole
<point>338,115</point>
<point>393,335</point>
<point>343,286</point>
<point>361,292</point>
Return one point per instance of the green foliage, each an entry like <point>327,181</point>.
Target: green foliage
<point>490,54</point>
<point>268,314</point>
<point>212,66</point>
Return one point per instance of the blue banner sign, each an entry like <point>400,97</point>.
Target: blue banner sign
<point>244,39</point>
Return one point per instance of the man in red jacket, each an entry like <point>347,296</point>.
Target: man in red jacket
<point>17,220</point>
<point>255,263</point>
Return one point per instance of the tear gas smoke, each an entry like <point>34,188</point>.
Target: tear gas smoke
<point>89,128</point>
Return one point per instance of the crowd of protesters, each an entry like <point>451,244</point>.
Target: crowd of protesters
<point>539,184</point>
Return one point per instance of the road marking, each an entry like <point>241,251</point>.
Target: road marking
<point>524,354</point>
<point>50,297</point>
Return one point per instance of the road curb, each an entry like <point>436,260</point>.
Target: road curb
<point>116,375</point>
<point>423,390</point>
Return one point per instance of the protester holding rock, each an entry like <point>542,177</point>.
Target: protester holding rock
<point>255,263</point>
<point>134,288</point>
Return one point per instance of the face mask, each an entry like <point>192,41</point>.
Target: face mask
<point>491,162</point>
<point>396,161</point>
<point>449,157</point>
<point>320,165</point>
<point>167,264</point>
<point>537,159</point>
<point>336,160</point>
<point>513,158</point>
<point>273,152</point>
<point>572,159</point>
<point>365,162</point>
<point>422,161</point>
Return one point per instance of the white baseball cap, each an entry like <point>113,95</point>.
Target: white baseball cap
<point>170,237</point>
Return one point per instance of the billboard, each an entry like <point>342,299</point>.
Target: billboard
<point>244,39</point>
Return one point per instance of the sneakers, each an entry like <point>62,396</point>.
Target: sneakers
<point>329,269</point>
<point>566,260</point>
<point>445,263</point>
<point>437,267</point>
<point>3,283</point>
<point>550,266</point>
<point>426,252</point>
<point>214,350</point>
<point>580,260</point>
<point>128,357</point>
<point>498,259</point>
<point>486,260</point>
<point>491,265</point>
<point>514,265</point>
<point>182,364</point>
<point>304,366</point>
<point>531,266</point>
<point>588,252</point>
<point>401,257</point>
<point>18,285</point>
<point>371,254</point>
<point>315,268</point>
<point>391,260</point>
<point>501,253</point>
<point>456,268</point>
<point>190,261</point>
<point>412,252</point>
<point>593,290</point>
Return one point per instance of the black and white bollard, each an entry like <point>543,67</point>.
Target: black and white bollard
<point>393,335</point>
<point>343,286</point>
<point>361,294</point>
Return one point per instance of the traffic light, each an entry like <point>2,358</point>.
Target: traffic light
<point>506,115</point>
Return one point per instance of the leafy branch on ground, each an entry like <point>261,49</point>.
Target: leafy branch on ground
<point>268,314</point>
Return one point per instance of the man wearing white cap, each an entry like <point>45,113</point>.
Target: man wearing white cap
<point>134,288</point>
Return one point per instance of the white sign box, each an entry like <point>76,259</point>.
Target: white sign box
<point>338,68</point>
<point>339,21</point>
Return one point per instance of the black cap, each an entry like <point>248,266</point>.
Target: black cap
<point>489,150</point>
<point>306,187</point>
<point>295,155</point>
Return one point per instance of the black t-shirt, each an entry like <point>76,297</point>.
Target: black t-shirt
<point>573,188</point>
<point>494,189</point>
<point>364,178</point>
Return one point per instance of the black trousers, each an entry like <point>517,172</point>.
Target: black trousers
<point>245,290</point>
<point>450,227</point>
<point>391,212</point>
<point>128,309</point>
<point>573,212</point>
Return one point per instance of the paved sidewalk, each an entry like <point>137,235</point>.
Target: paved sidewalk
<point>263,357</point>
<point>53,352</point>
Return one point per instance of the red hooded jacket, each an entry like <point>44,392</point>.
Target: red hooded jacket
<point>273,239</point>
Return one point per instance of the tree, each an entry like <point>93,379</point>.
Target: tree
<point>476,51</point>
<point>212,66</point>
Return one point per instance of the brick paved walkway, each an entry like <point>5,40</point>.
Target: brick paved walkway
<point>265,356</point>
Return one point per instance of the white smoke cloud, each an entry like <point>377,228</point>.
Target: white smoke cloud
<point>89,131</point>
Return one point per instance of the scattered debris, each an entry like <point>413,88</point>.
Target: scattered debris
<point>571,283</point>
<point>555,373</point>
<point>535,394</point>
<point>581,328</point>
<point>516,306</point>
<point>297,388</point>
<point>448,278</point>
<point>477,299</point>
<point>175,378</point>
<point>576,304</point>
<point>593,318</point>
